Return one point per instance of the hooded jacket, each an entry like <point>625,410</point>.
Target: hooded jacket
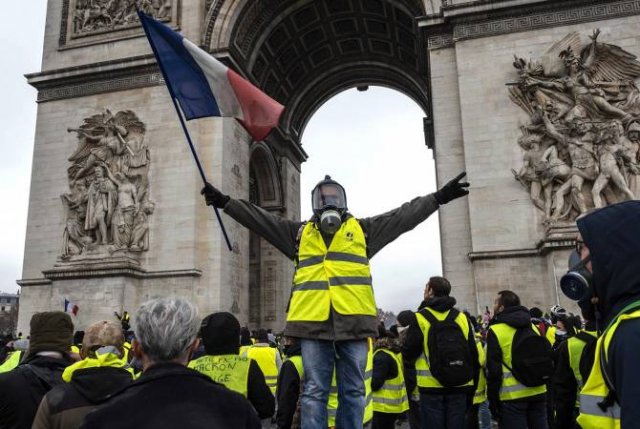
<point>612,235</point>
<point>414,343</point>
<point>516,317</point>
<point>66,405</point>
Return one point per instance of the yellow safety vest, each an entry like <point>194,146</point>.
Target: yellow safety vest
<point>230,370</point>
<point>106,359</point>
<point>481,392</point>
<point>266,359</point>
<point>11,362</point>
<point>243,350</point>
<point>511,388</point>
<point>423,372</point>
<point>392,396</point>
<point>332,403</point>
<point>297,362</point>
<point>337,277</point>
<point>595,389</point>
<point>550,334</point>
<point>575,346</point>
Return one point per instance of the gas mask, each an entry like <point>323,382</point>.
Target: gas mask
<point>329,203</point>
<point>577,285</point>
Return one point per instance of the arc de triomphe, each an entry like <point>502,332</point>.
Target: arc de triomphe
<point>115,215</point>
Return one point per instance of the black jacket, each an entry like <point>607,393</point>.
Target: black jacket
<point>380,230</point>
<point>288,390</point>
<point>414,344</point>
<point>565,389</point>
<point>169,396</point>
<point>611,234</point>
<point>66,405</point>
<point>516,317</point>
<point>384,368</point>
<point>22,389</point>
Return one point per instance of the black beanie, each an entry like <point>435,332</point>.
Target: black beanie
<point>51,331</point>
<point>220,333</point>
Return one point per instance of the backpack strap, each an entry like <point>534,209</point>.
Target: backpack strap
<point>297,244</point>
<point>453,313</point>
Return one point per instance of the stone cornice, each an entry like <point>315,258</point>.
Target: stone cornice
<point>87,273</point>
<point>108,76</point>
<point>476,20</point>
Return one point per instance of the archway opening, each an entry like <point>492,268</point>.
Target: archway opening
<point>372,143</point>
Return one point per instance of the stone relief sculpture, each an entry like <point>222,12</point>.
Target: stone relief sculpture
<point>581,145</point>
<point>92,16</point>
<point>108,207</point>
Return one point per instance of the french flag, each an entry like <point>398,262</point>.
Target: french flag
<point>204,86</point>
<point>70,307</point>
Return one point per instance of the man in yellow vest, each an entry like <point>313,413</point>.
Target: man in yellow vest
<point>605,280</point>
<point>267,357</point>
<point>331,306</point>
<point>447,364</point>
<point>220,333</point>
<point>390,397</point>
<point>570,374</point>
<point>289,380</point>
<point>513,402</point>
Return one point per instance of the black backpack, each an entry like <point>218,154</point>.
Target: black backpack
<point>450,358</point>
<point>588,354</point>
<point>531,357</point>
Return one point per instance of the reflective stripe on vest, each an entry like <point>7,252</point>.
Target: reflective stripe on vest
<point>595,389</point>
<point>266,358</point>
<point>480,394</point>
<point>511,388</point>
<point>332,402</point>
<point>337,277</point>
<point>392,396</point>
<point>423,374</point>
<point>230,370</point>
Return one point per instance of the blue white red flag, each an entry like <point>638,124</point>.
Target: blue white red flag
<point>204,86</point>
<point>70,307</point>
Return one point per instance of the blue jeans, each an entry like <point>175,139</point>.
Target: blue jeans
<point>318,359</point>
<point>523,415</point>
<point>446,411</point>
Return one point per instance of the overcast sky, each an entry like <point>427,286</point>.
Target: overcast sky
<point>371,142</point>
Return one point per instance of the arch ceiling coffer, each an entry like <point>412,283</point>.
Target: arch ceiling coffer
<point>303,52</point>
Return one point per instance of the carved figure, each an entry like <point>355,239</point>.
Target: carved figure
<point>113,212</point>
<point>580,98</point>
<point>96,16</point>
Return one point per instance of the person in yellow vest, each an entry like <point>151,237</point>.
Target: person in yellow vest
<point>447,362</point>
<point>569,377</point>
<point>512,402</point>
<point>267,357</point>
<point>332,306</point>
<point>93,380</point>
<point>289,379</point>
<point>605,281</point>
<point>220,334</point>
<point>12,361</point>
<point>480,395</point>
<point>405,319</point>
<point>389,392</point>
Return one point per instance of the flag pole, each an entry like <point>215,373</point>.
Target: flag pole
<point>184,126</point>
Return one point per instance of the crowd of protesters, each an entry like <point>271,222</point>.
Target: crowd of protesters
<point>336,365</point>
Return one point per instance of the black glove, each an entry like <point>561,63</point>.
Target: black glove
<point>452,190</point>
<point>214,197</point>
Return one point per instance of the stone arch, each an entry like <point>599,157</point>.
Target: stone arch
<point>266,188</point>
<point>303,52</point>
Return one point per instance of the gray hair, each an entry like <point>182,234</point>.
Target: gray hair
<point>166,327</point>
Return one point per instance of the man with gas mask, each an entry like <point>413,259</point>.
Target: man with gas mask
<point>331,308</point>
<point>605,280</point>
